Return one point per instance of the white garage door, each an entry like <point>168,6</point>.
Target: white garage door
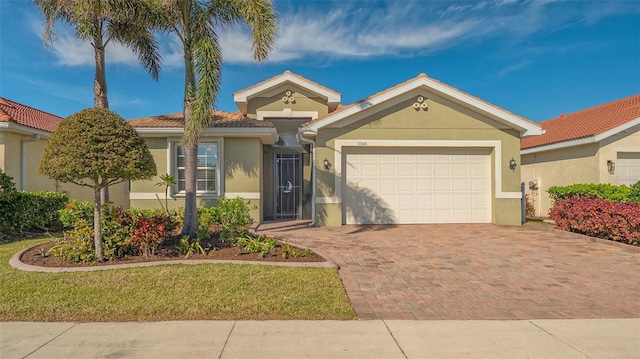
<point>417,186</point>
<point>628,168</point>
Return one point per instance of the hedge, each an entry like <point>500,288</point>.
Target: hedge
<point>20,211</point>
<point>605,191</point>
<point>617,221</point>
<point>26,210</point>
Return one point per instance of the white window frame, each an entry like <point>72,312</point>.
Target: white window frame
<point>175,168</point>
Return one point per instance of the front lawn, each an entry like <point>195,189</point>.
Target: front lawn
<point>171,292</point>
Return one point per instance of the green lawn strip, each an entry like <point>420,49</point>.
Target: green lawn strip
<point>170,292</point>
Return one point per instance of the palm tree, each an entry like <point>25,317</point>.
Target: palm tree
<point>128,22</point>
<point>167,181</point>
<point>194,23</point>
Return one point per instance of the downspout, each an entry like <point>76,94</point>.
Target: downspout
<point>313,175</point>
<point>23,160</point>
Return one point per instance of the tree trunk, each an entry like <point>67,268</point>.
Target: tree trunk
<point>97,233</point>
<point>190,145</point>
<point>190,226</point>
<point>100,99</point>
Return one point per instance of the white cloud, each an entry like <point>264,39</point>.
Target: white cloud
<point>339,30</point>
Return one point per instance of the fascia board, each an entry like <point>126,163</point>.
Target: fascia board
<point>23,130</point>
<point>616,130</point>
<point>559,145</point>
<point>268,135</point>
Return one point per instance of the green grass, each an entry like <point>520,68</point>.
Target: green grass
<point>170,292</point>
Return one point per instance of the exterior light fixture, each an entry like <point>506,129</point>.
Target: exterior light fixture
<point>327,164</point>
<point>611,167</point>
<point>512,164</point>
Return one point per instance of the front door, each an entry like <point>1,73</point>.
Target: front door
<point>287,185</point>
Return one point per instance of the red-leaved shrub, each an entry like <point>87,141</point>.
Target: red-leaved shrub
<point>149,231</point>
<point>617,221</point>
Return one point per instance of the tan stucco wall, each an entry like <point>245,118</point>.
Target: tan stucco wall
<point>274,103</point>
<point>558,168</point>
<point>241,159</point>
<point>443,121</point>
<point>158,148</point>
<point>577,164</point>
<point>11,160</point>
<point>628,141</point>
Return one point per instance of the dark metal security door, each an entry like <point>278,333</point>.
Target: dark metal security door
<point>287,182</point>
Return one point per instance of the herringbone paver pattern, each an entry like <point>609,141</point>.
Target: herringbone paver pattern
<point>474,271</point>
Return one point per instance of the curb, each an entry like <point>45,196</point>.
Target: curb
<point>15,262</point>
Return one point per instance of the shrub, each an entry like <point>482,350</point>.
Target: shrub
<point>149,231</point>
<point>234,218</point>
<point>605,191</point>
<point>20,211</point>
<point>208,222</point>
<point>599,218</point>
<point>634,195</point>
<point>75,213</point>
<point>262,245</point>
<point>7,187</point>
<point>77,248</point>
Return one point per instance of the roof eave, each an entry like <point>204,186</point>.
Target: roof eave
<point>582,141</point>
<point>23,130</point>
<point>267,135</point>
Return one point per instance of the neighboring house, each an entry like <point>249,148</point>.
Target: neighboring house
<point>597,145</point>
<point>24,132</point>
<point>419,152</point>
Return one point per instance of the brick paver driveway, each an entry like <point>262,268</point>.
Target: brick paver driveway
<point>474,271</point>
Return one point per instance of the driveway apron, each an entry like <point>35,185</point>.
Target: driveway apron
<point>473,271</point>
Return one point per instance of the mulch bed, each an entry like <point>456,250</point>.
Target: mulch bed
<point>37,255</point>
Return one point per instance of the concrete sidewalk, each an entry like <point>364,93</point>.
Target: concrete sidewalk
<point>572,338</point>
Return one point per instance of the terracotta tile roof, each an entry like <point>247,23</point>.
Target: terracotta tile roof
<point>220,119</point>
<point>11,111</point>
<point>586,123</point>
<point>421,75</point>
<point>285,73</point>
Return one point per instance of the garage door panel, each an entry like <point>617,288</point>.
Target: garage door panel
<point>418,186</point>
<point>443,170</point>
<point>628,168</point>
<point>443,185</point>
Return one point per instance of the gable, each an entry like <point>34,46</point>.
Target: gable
<point>287,81</point>
<point>286,96</point>
<point>431,89</point>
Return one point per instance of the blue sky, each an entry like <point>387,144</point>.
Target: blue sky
<point>537,59</point>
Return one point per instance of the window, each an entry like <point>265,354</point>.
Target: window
<point>207,167</point>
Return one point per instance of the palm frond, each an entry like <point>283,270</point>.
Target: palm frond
<point>207,60</point>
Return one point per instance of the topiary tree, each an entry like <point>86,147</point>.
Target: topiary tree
<point>96,148</point>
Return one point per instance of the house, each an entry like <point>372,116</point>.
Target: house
<point>419,152</point>
<point>597,145</point>
<point>24,132</point>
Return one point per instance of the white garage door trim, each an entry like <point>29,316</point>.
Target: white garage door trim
<point>628,167</point>
<point>417,185</point>
<point>495,145</point>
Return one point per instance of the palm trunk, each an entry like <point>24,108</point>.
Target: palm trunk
<point>190,144</point>
<point>97,233</point>
<point>190,226</point>
<point>100,99</point>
